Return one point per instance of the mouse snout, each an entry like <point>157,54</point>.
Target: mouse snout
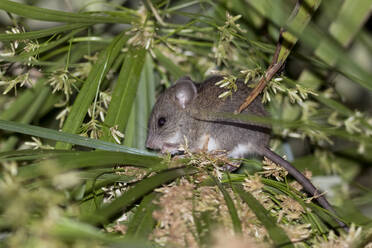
<point>152,144</point>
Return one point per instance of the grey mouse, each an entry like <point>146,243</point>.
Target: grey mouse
<point>179,116</point>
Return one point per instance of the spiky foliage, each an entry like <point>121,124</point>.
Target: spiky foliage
<point>95,77</point>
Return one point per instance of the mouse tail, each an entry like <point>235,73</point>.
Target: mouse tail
<point>304,181</point>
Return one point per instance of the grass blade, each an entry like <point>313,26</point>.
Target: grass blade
<point>230,205</point>
<point>343,29</point>
<point>67,137</point>
<point>174,69</point>
<point>142,222</point>
<point>144,101</point>
<point>28,154</point>
<point>331,49</point>
<point>298,22</point>
<point>49,15</point>
<point>136,129</point>
<point>91,86</point>
<point>277,235</point>
<point>23,100</point>
<point>25,56</point>
<point>41,33</point>
<point>125,91</point>
<point>133,194</point>
<point>72,230</point>
<point>77,160</point>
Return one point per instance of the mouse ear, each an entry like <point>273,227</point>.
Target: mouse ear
<point>185,91</point>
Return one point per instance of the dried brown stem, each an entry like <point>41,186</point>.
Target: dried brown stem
<point>270,73</point>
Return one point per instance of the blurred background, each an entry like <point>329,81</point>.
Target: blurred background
<point>320,103</point>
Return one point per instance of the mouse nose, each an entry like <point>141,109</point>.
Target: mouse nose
<point>152,144</point>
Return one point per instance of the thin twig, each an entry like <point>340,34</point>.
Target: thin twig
<point>156,14</point>
<point>270,73</point>
<point>283,48</point>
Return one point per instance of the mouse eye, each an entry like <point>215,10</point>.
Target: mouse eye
<point>161,121</point>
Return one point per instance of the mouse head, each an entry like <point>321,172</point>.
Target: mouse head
<point>169,118</point>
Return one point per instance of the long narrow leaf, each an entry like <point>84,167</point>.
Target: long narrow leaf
<point>174,69</point>
<point>28,154</point>
<point>25,56</point>
<point>142,222</point>
<point>66,137</point>
<point>49,15</point>
<point>72,230</point>
<point>277,235</point>
<point>31,112</point>
<point>230,205</point>
<point>136,129</point>
<point>351,17</point>
<point>144,101</point>
<point>23,100</point>
<point>125,91</point>
<point>91,86</point>
<point>345,64</point>
<point>303,13</point>
<point>41,33</point>
<point>77,160</point>
<point>136,192</point>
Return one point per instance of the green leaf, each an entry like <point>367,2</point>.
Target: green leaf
<point>25,56</point>
<point>351,17</point>
<point>142,223</point>
<point>331,52</point>
<point>353,214</point>
<point>49,15</point>
<point>277,234</point>
<point>302,15</point>
<point>230,205</point>
<point>20,105</point>
<point>68,229</point>
<point>145,100</point>
<point>171,67</point>
<point>279,11</point>
<point>27,117</point>
<point>136,192</point>
<point>130,131</point>
<point>136,129</point>
<point>205,224</point>
<point>28,154</point>
<point>90,203</point>
<point>320,213</point>
<point>76,160</point>
<point>331,49</point>
<point>41,33</point>
<point>72,230</point>
<point>67,137</point>
<point>339,107</point>
<point>22,100</point>
<point>91,87</point>
<point>124,92</point>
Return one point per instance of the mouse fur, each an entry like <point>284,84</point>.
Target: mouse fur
<point>183,107</point>
<point>180,115</point>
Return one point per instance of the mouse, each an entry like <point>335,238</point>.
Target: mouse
<point>179,117</point>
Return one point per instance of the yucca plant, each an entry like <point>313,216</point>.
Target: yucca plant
<point>77,96</point>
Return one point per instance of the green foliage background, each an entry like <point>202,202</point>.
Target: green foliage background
<point>78,93</point>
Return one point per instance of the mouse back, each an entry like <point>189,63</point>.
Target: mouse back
<point>240,137</point>
<point>209,92</point>
<point>184,112</point>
